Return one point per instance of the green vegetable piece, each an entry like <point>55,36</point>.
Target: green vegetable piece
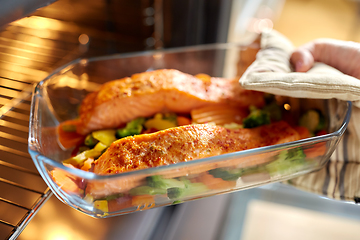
<point>226,174</point>
<point>68,128</point>
<point>175,192</point>
<point>257,117</point>
<point>83,148</point>
<point>195,188</point>
<point>177,202</point>
<point>146,190</point>
<point>287,160</point>
<point>90,141</point>
<point>158,181</point>
<point>274,111</point>
<point>189,190</point>
<point>136,122</point>
<point>125,132</point>
<point>79,159</point>
<point>171,117</point>
<point>105,136</point>
<point>132,128</point>
<point>313,120</point>
<point>111,197</point>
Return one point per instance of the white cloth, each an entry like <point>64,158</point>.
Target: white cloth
<point>272,72</point>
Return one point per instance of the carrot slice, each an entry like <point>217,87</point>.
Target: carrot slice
<point>143,202</point>
<point>67,135</point>
<point>216,183</point>
<point>219,114</point>
<point>316,150</point>
<point>183,120</point>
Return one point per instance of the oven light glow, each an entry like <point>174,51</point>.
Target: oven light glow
<point>59,235</point>
<point>83,39</point>
<point>287,106</point>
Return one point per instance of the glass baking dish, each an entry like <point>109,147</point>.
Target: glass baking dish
<point>57,98</point>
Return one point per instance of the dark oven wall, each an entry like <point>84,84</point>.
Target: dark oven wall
<point>116,26</point>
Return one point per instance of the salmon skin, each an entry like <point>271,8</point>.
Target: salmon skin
<point>166,90</point>
<point>187,143</point>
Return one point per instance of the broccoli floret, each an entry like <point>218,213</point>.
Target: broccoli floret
<point>132,128</point>
<point>313,120</point>
<point>226,174</point>
<point>189,190</point>
<point>175,192</point>
<point>234,174</point>
<point>274,111</point>
<point>159,122</point>
<point>257,117</point>
<point>287,160</point>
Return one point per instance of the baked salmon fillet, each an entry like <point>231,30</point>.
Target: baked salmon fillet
<point>186,143</point>
<point>167,90</point>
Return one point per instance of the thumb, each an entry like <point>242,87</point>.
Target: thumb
<point>302,60</point>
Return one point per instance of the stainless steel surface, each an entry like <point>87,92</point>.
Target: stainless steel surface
<point>12,10</point>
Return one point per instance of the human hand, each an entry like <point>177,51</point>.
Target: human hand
<point>342,55</point>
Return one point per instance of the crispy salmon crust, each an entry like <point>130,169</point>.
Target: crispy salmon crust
<point>145,94</point>
<point>187,143</point>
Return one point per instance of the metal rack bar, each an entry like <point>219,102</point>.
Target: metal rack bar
<point>30,49</point>
<point>22,169</point>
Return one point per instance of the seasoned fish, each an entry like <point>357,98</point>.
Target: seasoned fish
<point>187,143</point>
<point>145,94</point>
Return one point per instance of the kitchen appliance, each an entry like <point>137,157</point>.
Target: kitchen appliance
<point>54,35</point>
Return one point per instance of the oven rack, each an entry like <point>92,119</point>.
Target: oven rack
<point>22,190</point>
<point>30,49</point>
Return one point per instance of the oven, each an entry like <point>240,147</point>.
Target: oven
<point>40,37</point>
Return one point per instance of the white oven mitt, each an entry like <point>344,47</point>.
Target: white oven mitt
<point>272,73</point>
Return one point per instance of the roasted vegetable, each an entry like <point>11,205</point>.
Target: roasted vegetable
<point>274,111</point>
<point>171,117</point>
<point>256,118</point>
<point>159,123</point>
<point>79,159</point>
<point>286,161</point>
<point>189,190</point>
<point>158,181</point>
<point>105,136</point>
<point>90,141</point>
<point>226,174</point>
<point>313,120</point>
<point>132,128</point>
